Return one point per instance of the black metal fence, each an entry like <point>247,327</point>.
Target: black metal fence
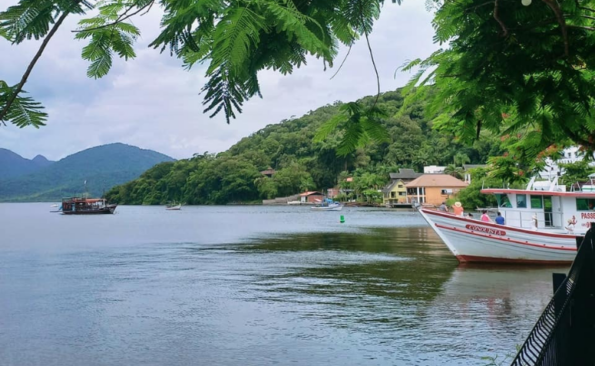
<point>565,332</point>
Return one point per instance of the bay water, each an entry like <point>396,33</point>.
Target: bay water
<point>252,285</point>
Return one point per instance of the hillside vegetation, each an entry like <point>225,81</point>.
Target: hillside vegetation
<point>301,164</point>
<point>102,167</point>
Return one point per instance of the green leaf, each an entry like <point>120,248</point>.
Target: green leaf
<point>24,111</point>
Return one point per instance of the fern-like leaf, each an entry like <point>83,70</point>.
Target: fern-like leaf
<point>24,111</point>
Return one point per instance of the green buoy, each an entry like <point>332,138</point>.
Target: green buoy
<point>342,220</point>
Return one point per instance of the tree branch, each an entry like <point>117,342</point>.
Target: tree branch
<point>479,6</point>
<point>371,57</point>
<point>342,63</point>
<point>375,68</point>
<point>498,19</point>
<point>588,9</point>
<point>560,17</point>
<point>45,42</point>
<point>124,16</point>
<point>580,27</point>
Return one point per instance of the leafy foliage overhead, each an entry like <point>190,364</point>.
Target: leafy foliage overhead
<point>236,39</point>
<point>515,69</point>
<point>505,67</point>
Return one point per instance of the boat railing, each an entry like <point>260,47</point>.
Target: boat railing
<point>563,334</point>
<point>524,218</point>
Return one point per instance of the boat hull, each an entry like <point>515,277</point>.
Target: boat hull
<point>100,211</point>
<point>336,208</point>
<point>477,241</point>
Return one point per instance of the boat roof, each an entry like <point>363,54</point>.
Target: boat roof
<point>537,192</point>
<point>90,200</point>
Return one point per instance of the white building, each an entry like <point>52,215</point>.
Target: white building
<point>569,155</point>
<point>434,169</point>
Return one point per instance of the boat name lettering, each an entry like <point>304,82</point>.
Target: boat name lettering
<point>486,230</point>
<point>588,215</point>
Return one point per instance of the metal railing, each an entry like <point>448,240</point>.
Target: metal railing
<point>524,218</point>
<point>564,333</point>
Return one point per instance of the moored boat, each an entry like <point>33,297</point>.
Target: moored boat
<point>542,222</point>
<point>327,205</point>
<point>86,206</point>
<point>174,207</point>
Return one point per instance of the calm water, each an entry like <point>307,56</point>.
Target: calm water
<point>251,286</point>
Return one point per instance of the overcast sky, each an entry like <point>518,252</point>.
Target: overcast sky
<point>153,103</point>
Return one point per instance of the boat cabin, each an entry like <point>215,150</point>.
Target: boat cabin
<point>79,204</point>
<point>549,202</point>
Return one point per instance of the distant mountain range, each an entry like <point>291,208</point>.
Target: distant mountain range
<point>101,167</point>
<point>13,165</point>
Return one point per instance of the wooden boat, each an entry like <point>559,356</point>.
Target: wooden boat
<point>174,207</point>
<point>86,206</point>
<point>542,222</point>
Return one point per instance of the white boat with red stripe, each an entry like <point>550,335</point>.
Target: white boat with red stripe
<point>537,225</point>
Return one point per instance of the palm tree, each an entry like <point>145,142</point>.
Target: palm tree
<point>455,171</point>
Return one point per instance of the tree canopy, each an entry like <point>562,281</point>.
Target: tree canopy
<point>506,67</point>
<point>513,69</point>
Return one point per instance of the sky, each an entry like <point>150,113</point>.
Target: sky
<point>153,103</point>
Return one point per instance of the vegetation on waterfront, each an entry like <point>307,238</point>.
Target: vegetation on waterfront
<point>301,164</point>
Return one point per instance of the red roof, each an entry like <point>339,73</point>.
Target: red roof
<point>310,193</point>
<point>437,180</point>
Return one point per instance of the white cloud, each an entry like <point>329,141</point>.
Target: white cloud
<point>151,102</point>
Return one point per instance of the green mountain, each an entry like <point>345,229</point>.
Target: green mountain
<point>13,165</point>
<point>300,163</point>
<point>102,167</point>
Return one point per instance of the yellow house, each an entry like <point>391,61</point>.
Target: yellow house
<point>395,193</point>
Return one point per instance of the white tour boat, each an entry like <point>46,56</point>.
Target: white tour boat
<point>536,228</point>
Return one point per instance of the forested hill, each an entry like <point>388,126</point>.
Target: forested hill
<point>102,167</point>
<point>301,164</point>
<point>13,165</point>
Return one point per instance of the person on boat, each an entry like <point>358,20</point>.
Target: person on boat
<point>570,227</point>
<point>458,209</point>
<point>485,217</point>
<point>470,216</point>
<point>443,207</point>
<point>499,219</point>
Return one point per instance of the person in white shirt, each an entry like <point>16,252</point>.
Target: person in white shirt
<point>570,227</point>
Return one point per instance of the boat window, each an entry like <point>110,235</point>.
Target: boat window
<point>503,200</point>
<point>521,201</point>
<point>536,202</point>
<point>585,204</point>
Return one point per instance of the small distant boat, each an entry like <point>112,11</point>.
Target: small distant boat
<point>174,207</point>
<point>86,206</point>
<point>328,205</point>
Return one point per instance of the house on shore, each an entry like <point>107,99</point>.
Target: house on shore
<point>311,197</point>
<point>395,192</point>
<point>434,188</point>
<point>405,175</point>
